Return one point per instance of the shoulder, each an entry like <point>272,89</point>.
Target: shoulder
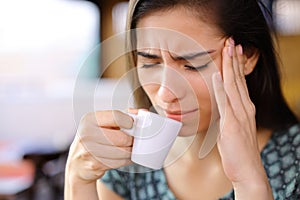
<point>283,145</point>
<point>281,158</point>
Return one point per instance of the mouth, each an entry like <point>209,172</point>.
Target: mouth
<point>179,115</point>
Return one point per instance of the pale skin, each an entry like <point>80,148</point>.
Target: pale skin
<point>100,145</point>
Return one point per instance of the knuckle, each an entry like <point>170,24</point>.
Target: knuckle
<point>240,78</point>
<point>81,132</point>
<point>85,155</point>
<point>252,108</point>
<point>122,120</point>
<point>243,78</point>
<point>95,166</point>
<point>86,118</point>
<point>125,152</point>
<point>128,150</point>
<point>124,140</point>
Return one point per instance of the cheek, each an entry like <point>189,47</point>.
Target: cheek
<point>218,62</point>
<point>200,87</point>
<point>151,90</point>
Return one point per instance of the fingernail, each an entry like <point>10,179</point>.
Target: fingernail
<point>240,49</point>
<point>231,41</point>
<point>230,51</point>
<point>123,120</point>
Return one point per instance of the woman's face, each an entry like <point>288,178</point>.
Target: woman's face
<point>177,53</point>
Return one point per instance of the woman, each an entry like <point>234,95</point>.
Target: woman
<point>257,152</point>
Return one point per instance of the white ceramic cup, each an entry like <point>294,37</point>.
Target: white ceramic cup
<point>154,136</point>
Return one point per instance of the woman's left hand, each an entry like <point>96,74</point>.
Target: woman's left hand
<point>237,142</point>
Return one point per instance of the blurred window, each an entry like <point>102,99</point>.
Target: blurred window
<point>119,14</point>
<point>43,44</point>
<point>46,39</point>
<point>287,16</point>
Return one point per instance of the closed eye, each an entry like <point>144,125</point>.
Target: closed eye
<point>192,68</point>
<point>150,65</point>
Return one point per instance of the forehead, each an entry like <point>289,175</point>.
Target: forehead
<point>176,30</point>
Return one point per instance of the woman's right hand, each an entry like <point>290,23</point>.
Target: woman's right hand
<point>99,145</point>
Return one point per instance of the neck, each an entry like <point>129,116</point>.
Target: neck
<point>185,150</point>
<point>192,154</point>
<point>191,147</point>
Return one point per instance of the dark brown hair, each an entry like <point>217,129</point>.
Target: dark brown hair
<point>243,20</point>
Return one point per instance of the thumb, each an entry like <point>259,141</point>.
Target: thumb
<point>135,110</point>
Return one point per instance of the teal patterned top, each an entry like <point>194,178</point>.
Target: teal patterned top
<point>280,156</point>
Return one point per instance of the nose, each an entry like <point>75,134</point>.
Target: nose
<point>166,95</point>
<point>171,88</point>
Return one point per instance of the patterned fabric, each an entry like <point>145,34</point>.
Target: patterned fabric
<point>280,156</point>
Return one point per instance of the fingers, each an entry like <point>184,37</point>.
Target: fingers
<point>117,138</point>
<point>113,164</point>
<point>103,127</point>
<point>230,74</point>
<point>108,151</point>
<point>224,107</point>
<point>133,110</point>
<point>104,156</point>
<point>241,78</point>
<point>241,60</point>
<point>235,85</point>
<point>100,145</point>
<point>112,119</point>
<point>90,165</point>
<point>105,142</point>
<point>105,136</point>
<point>238,130</point>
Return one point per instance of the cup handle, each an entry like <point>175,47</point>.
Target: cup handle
<point>130,131</point>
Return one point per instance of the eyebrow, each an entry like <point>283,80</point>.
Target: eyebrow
<point>184,57</point>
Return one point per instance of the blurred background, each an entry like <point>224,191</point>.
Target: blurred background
<point>44,45</point>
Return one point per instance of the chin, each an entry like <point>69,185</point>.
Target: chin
<point>192,129</point>
<point>187,131</point>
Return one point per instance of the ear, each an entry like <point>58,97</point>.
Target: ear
<point>252,56</point>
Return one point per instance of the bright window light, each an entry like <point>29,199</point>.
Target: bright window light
<point>46,38</point>
<point>119,14</point>
<point>287,16</point>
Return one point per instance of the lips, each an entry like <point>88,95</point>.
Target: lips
<point>178,115</point>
